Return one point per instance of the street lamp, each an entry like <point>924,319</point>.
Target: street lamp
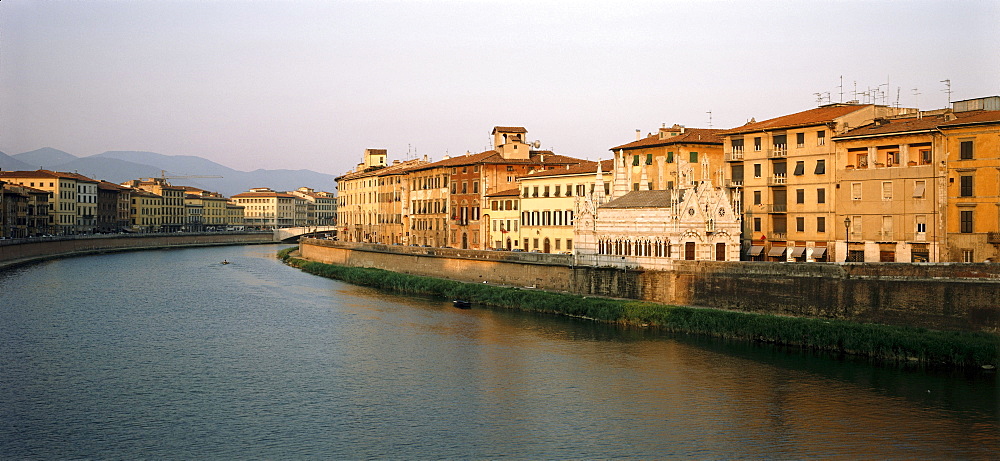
<point>847,238</point>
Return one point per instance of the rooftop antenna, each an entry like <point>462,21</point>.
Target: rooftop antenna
<point>897,96</point>
<point>841,86</point>
<point>947,88</point>
<point>709,119</point>
<point>916,96</point>
<point>855,90</point>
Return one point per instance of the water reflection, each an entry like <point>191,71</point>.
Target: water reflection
<point>169,354</point>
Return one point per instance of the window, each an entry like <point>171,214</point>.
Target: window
<point>800,196</point>
<point>465,187</point>
<point>800,168</point>
<point>649,160</point>
<point>756,197</point>
<point>756,224</point>
<point>800,140</point>
<point>925,156</point>
<point>965,186</point>
<point>475,187</point>
<point>756,170</point>
<point>821,224</point>
<point>534,191</point>
<point>921,224</point>
<point>557,191</point>
<point>635,160</point>
<point>919,187</point>
<point>886,190</point>
<point>545,191</point>
<point>820,167</point>
<point>966,221</point>
<point>892,158</point>
<point>821,195</point>
<point>670,157</point>
<point>821,138</point>
<point>694,157</point>
<point>966,150</point>
<point>800,224</point>
<point>756,144</point>
<point>855,191</point>
<point>967,256</point>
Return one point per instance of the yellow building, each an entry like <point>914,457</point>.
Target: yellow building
<point>63,203</point>
<point>654,158</point>
<point>782,171</point>
<point>146,212</point>
<point>267,209</point>
<point>323,206</point>
<point>371,200</point>
<point>173,214</point>
<point>504,220</point>
<point>549,201</point>
<point>235,218</point>
<point>972,149</point>
<point>429,205</point>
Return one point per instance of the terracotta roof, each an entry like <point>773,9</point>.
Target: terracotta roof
<point>144,193</point>
<point>809,117</point>
<point>396,168</point>
<point>110,186</point>
<point>494,157</point>
<point>641,199</point>
<point>263,194</point>
<point>586,167</point>
<point>973,118</point>
<point>43,174</point>
<point>690,136</point>
<point>509,129</point>
<point>898,125</point>
<point>506,193</point>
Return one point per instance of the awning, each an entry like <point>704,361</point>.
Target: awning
<point>918,190</point>
<point>818,252</point>
<point>798,252</point>
<point>755,250</point>
<point>777,251</point>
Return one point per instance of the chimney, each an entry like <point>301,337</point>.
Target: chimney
<point>638,134</point>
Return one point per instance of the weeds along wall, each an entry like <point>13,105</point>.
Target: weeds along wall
<point>940,296</point>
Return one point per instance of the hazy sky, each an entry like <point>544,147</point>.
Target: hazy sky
<point>311,84</point>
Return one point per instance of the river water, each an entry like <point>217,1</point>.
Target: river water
<point>171,355</point>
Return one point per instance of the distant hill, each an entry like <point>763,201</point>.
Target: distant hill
<point>9,163</point>
<point>45,157</point>
<point>121,166</point>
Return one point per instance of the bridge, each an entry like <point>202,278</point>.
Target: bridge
<point>293,233</point>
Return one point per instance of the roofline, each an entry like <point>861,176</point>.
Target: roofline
<point>888,133</point>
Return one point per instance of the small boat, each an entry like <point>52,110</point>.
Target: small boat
<point>225,262</point>
<point>461,304</point>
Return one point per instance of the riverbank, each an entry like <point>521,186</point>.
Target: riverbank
<point>881,342</point>
<point>16,253</point>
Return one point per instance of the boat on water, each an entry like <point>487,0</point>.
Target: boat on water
<point>461,304</point>
<point>225,262</point>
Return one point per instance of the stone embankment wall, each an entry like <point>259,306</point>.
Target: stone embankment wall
<point>939,296</point>
<point>13,252</point>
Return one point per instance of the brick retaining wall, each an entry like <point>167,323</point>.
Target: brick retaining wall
<point>939,296</point>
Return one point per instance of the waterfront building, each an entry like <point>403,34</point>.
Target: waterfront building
<point>24,211</point>
<point>504,220</point>
<point>548,204</point>
<point>972,157</point>
<point>654,159</point>
<point>63,202</point>
<point>173,214</point>
<point>322,206</point>
<point>650,228</point>
<point>474,176</point>
<point>112,207</point>
<point>371,197</point>
<point>235,218</point>
<point>782,173</point>
<point>429,204</point>
<point>267,209</point>
<point>146,211</point>
<point>212,206</point>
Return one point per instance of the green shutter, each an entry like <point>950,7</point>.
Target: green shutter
<point>670,157</point>
<point>694,157</point>
<point>649,159</point>
<point>635,160</point>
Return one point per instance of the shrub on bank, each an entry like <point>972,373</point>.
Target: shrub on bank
<point>878,341</point>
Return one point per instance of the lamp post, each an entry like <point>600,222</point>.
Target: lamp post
<point>847,239</point>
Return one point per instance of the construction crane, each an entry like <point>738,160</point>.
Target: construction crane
<point>163,177</point>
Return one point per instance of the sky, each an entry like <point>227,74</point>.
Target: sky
<point>311,84</point>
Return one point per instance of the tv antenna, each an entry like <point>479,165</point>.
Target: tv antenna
<point>916,96</point>
<point>709,118</point>
<point>841,86</point>
<point>947,88</point>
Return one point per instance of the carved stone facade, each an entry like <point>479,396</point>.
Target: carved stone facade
<point>651,228</point>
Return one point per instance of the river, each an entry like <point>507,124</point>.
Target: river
<point>172,355</point>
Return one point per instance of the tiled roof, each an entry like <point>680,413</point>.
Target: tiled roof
<point>43,174</point>
<point>690,136</point>
<point>506,193</point>
<point>110,186</point>
<point>396,168</point>
<point>898,125</point>
<point>586,167</point>
<point>494,157</point>
<point>263,194</point>
<point>509,129</point>
<point>973,117</point>
<point>641,199</point>
<point>809,117</point>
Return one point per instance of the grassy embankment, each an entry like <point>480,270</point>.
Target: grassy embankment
<point>883,342</point>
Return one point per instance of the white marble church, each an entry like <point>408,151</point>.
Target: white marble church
<point>650,229</point>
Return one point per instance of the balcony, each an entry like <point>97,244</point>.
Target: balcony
<point>734,183</point>
<point>776,208</point>
<point>777,180</point>
<point>778,151</point>
<point>993,237</point>
<point>735,156</point>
